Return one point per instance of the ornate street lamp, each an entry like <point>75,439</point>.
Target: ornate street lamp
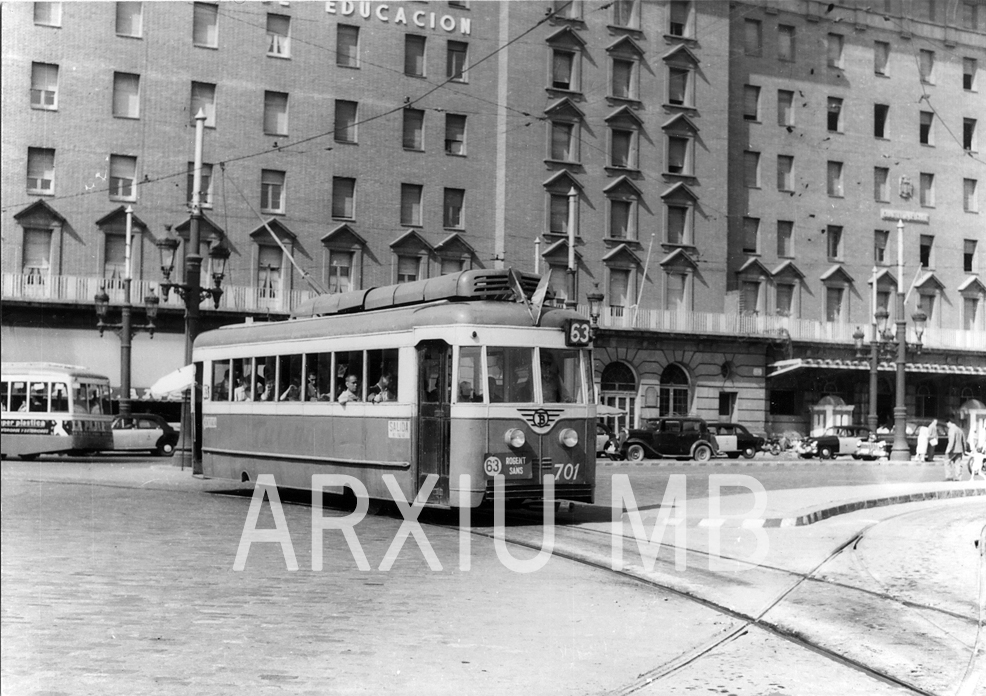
<point>595,307</point>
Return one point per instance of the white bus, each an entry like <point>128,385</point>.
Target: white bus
<point>50,408</point>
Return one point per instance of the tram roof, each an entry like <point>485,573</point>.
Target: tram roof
<point>33,369</point>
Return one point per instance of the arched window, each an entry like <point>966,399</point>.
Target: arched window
<point>618,388</point>
<point>674,391</point>
<point>926,405</point>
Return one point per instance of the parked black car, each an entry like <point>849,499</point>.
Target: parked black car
<point>836,440</point>
<point>144,431</point>
<point>684,438</point>
<point>734,439</point>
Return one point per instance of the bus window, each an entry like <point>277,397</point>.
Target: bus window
<point>39,397</point>
<point>382,371</point>
<point>471,387</point>
<point>243,379</point>
<point>511,374</point>
<point>289,374</point>
<point>350,363</point>
<point>18,396</point>
<point>220,381</point>
<point>59,397</point>
<point>266,379</point>
<point>561,378</point>
<point>318,379</point>
<point>5,396</point>
<point>80,402</point>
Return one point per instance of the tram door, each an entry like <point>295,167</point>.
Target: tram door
<point>434,408</point>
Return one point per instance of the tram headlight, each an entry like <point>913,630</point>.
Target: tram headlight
<point>515,437</point>
<point>568,438</point>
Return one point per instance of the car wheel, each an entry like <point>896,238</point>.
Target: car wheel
<point>702,453</point>
<point>750,452</point>
<point>635,453</point>
<point>825,453</point>
<point>164,449</point>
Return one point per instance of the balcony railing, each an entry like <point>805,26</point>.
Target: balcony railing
<point>81,290</point>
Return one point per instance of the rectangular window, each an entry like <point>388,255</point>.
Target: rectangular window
<point>123,177</point>
<point>48,14</point>
<point>833,303</point>
<point>785,238</point>
<point>129,19</point>
<point>969,255</point>
<point>455,134</point>
<point>562,141</point>
<point>455,61</point>
<point>271,191</point>
<point>343,197</point>
<point>927,190</point>
<point>881,57</point>
<point>347,46</point>
<point>835,179</point>
<point>204,99</point>
<point>563,70</point>
<point>785,299</point>
<point>785,107</point>
<point>926,303</point>
<point>414,123</point>
<point>751,235</point>
<point>753,37</point>
<point>970,15</point>
<point>126,95</point>
<point>675,297</point>
<point>567,9</point>
<point>453,207</point>
<point>345,121</point>
<point>205,195</point>
<point>969,134</point>
<point>36,254</point>
<point>411,204</point>
<point>751,103</point>
<point>926,65</point>
<point>622,79</point>
<point>681,19</point>
<point>269,260</point>
<point>625,13</point>
<point>558,213</point>
<point>278,35</point>
<point>969,66</point>
<point>834,244</point>
<point>881,186</point>
<point>40,170</point>
<point>835,50</point>
<point>205,30</point>
<point>680,92</point>
<point>880,112</point>
<point>275,113</point>
<point>751,169</point>
<point>621,222</point>
<point>414,55</point>
<point>114,257</point>
<point>970,309</point>
<point>785,173</point>
<point>678,225</point>
<point>679,159</point>
<point>924,132</point>
<point>44,86</point>
<point>619,290</point>
<point>925,248</point>
<point>834,118</point>
<point>340,271</point>
<point>880,239</point>
<point>623,148</point>
<point>449,266</point>
<point>785,42</point>
<point>408,269</point>
<point>970,202</point>
<point>749,297</point>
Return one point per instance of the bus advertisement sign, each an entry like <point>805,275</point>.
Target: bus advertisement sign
<point>25,426</point>
<point>510,465</point>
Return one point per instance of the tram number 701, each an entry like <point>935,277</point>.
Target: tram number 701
<point>566,472</point>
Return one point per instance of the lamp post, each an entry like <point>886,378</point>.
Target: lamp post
<point>125,328</point>
<point>879,345</point>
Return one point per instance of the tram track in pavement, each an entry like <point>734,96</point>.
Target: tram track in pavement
<point>748,620</point>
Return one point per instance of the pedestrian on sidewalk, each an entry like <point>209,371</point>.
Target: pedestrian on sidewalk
<point>955,450</point>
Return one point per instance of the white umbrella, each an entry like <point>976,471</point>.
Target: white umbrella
<point>604,410</point>
<point>177,381</point>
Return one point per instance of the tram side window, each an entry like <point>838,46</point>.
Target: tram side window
<point>561,379</point>
<point>243,379</point>
<point>511,374</point>
<point>471,387</point>
<point>18,396</point>
<point>80,398</point>
<point>5,389</point>
<point>318,377</point>
<point>59,397</point>
<point>39,397</point>
<point>289,374</point>
<point>382,371</point>
<point>99,398</point>
<point>265,381</point>
<point>350,363</point>
<point>220,381</point>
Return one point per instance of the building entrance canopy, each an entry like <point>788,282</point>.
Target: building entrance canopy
<point>782,367</point>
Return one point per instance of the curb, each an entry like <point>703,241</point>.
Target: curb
<point>601,462</point>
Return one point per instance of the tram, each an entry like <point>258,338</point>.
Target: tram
<point>51,408</point>
<point>448,376</point>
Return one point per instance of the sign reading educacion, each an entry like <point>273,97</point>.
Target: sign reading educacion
<point>398,15</point>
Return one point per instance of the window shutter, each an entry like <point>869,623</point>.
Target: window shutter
<point>37,248</point>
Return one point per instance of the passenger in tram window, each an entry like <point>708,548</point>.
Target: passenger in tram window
<point>381,391</point>
<point>351,391</point>
<point>465,392</point>
<point>311,390</point>
<point>293,392</point>
<point>240,393</point>
<point>521,388</point>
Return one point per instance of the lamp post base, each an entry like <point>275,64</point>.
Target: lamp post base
<point>900,451</point>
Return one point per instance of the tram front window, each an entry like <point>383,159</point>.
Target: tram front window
<point>471,387</point>
<point>561,379</point>
<point>511,374</point>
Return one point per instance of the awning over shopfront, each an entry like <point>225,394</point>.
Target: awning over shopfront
<point>782,367</point>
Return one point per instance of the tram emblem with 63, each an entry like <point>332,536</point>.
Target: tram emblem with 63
<point>671,513</point>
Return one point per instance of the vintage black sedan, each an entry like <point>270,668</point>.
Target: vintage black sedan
<point>836,440</point>
<point>683,438</point>
<point>734,439</point>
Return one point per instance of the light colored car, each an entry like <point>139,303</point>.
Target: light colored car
<point>734,439</point>
<point>837,439</point>
<point>144,431</point>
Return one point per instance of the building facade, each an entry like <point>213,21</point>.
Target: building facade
<point>720,167</point>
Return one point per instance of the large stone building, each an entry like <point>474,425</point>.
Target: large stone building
<point>733,173</point>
